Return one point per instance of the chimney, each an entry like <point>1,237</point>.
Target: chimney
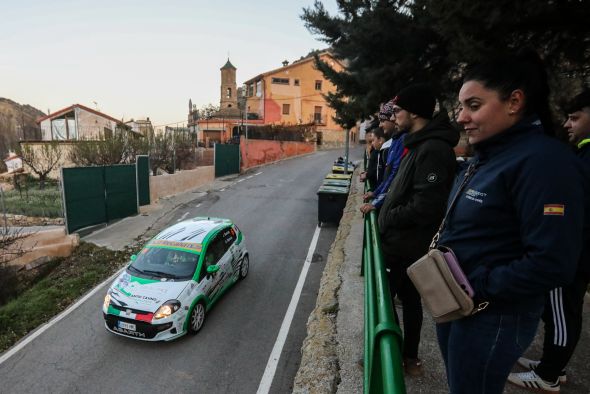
<point>285,63</point>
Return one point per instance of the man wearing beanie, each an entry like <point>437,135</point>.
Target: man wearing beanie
<point>415,202</point>
<point>395,153</point>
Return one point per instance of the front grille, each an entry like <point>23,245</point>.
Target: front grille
<point>143,330</point>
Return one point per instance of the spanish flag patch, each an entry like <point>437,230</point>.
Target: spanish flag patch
<point>554,209</point>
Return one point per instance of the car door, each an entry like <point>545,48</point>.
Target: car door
<point>226,257</point>
<point>212,284</point>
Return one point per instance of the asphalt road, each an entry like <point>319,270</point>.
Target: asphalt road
<point>276,208</point>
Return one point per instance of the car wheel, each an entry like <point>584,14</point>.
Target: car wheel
<point>197,318</point>
<point>244,267</point>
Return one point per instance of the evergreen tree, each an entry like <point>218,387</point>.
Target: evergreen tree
<point>387,44</point>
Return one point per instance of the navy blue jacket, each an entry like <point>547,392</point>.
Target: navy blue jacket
<point>517,226</point>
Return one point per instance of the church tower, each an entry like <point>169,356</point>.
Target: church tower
<point>229,91</point>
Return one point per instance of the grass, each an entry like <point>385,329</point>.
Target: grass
<point>32,201</point>
<point>72,277</point>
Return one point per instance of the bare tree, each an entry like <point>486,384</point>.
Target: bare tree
<point>42,160</point>
<point>11,248</point>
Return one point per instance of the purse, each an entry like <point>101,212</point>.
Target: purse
<point>439,279</point>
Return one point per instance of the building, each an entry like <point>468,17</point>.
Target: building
<point>141,126</point>
<point>77,122</point>
<point>294,94</point>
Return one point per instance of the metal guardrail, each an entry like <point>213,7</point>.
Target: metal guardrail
<point>383,371</point>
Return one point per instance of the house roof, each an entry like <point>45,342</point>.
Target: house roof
<point>71,108</point>
<point>294,64</point>
<point>228,65</point>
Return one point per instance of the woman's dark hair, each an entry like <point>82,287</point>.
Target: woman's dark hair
<point>524,71</point>
<point>378,132</point>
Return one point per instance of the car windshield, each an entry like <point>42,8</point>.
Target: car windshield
<point>165,263</point>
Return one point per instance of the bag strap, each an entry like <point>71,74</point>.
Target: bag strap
<point>466,177</point>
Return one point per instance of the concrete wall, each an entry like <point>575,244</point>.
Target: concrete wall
<point>167,185</point>
<point>258,152</point>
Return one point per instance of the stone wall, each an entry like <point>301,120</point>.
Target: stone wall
<point>259,152</point>
<point>26,221</point>
<point>167,185</point>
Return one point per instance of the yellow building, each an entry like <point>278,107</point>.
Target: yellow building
<point>293,94</point>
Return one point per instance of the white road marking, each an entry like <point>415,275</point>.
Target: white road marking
<point>239,180</point>
<point>183,216</point>
<point>250,177</point>
<point>275,355</point>
<point>198,205</point>
<point>222,190</point>
<point>258,173</point>
<point>56,319</point>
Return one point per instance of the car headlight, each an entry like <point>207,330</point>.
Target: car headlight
<point>167,309</point>
<point>107,300</point>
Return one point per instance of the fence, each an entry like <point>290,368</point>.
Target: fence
<point>383,372</point>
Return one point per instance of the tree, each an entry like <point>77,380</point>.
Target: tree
<point>42,160</point>
<point>208,111</point>
<point>384,48</point>
<point>160,151</point>
<point>388,44</point>
<point>107,150</point>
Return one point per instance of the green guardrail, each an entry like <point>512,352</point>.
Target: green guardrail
<point>383,370</point>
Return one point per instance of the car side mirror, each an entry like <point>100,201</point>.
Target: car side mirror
<point>212,269</point>
<point>133,257</point>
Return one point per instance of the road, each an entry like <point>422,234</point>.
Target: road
<point>276,208</point>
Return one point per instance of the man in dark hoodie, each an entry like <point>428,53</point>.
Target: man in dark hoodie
<point>415,202</point>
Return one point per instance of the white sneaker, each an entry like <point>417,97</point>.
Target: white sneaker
<point>530,380</point>
<point>532,364</point>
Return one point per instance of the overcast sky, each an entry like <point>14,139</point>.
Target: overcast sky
<point>135,59</point>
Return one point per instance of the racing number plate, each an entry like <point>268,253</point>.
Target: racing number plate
<point>127,326</point>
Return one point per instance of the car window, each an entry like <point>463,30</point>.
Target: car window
<point>165,263</point>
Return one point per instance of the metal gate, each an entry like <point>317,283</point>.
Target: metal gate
<point>226,159</point>
<point>142,163</point>
<point>95,195</point>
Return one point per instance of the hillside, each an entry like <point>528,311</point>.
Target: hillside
<point>17,122</point>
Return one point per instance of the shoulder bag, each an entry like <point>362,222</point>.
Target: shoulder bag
<point>438,276</point>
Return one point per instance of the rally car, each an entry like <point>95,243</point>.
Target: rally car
<point>167,289</point>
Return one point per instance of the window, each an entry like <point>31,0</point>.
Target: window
<point>286,109</point>
<point>280,81</point>
<point>296,82</point>
<point>251,90</point>
<point>108,133</point>
<point>317,114</point>
<point>318,85</point>
<point>228,93</point>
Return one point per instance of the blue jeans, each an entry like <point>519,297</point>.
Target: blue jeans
<point>479,351</point>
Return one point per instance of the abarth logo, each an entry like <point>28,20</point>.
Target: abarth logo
<point>127,332</point>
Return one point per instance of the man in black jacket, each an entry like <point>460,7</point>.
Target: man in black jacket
<point>416,202</point>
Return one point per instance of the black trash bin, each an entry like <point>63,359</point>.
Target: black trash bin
<point>331,203</point>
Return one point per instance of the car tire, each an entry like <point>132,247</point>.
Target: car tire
<point>197,318</point>
<point>244,267</point>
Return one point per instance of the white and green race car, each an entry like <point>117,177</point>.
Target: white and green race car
<point>168,288</point>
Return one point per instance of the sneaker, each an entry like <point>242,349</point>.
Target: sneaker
<point>530,380</point>
<point>413,366</point>
<point>532,365</point>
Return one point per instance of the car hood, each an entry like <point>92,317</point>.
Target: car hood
<point>144,294</point>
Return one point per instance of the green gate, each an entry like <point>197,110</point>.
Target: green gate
<point>142,163</point>
<point>226,159</point>
<point>95,195</point>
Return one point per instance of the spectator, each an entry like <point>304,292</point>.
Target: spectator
<point>516,228</point>
<point>415,202</point>
<point>370,158</point>
<point>395,153</point>
<point>564,305</point>
<point>378,143</point>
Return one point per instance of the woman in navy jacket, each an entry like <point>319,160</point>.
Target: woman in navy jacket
<point>516,228</point>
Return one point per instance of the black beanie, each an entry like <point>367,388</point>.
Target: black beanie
<point>417,99</point>
<point>579,102</point>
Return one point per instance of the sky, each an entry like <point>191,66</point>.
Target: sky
<point>138,59</point>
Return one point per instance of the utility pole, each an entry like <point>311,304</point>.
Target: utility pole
<point>346,151</point>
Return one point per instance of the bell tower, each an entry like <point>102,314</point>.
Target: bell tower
<point>229,90</point>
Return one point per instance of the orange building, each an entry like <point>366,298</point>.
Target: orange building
<point>290,95</point>
<point>293,94</point>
